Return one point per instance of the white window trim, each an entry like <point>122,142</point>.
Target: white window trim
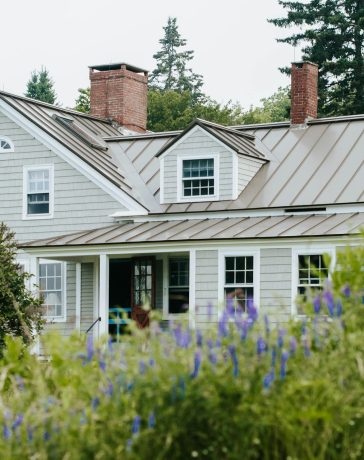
<point>330,250</point>
<point>9,141</point>
<point>221,274</point>
<point>63,318</point>
<point>26,170</point>
<point>191,199</point>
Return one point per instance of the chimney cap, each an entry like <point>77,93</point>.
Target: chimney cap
<point>302,63</point>
<point>118,66</point>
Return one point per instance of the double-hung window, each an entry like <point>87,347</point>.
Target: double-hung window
<point>239,280</point>
<point>51,290</point>
<point>198,178</point>
<point>312,271</point>
<point>179,284</point>
<point>38,183</point>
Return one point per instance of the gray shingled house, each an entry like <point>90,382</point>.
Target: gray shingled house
<point>109,215</point>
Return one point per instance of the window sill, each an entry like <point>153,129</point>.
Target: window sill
<point>198,199</point>
<point>51,320</point>
<point>37,216</point>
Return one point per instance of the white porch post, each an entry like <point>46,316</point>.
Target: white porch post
<point>104,294</point>
<point>78,296</point>
<point>192,301</point>
<point>34,270</point>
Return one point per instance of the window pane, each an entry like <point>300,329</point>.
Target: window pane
<point>240,277</point>
<point>229,278</point>
<point>249,276</point>
<point>229,263</point>
<point>240,263</point>
<point>50,287</point>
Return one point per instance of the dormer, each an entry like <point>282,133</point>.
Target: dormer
<point>208,162</point>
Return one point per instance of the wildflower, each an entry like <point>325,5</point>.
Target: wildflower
<point>252,311</point>
<point>222,325</point>
<point>230,310</point>
<point>102,365</point>
<point>212,357</point>
<point>346,290</point>
<point>129,444</point>
<point>199,338</point>
<point>292,345</point>
<point>329,300</point>
<point>18,421</point>
<point>46,436</point>
<point>283,369</point>
<point>109,389</point>
<point>306,347</point>
<point>268,380</point>
<point>142,367</point>
<point>244,330</point>
<point>210,343</point>
<point>90,347</point>
<point>339,308</point>
<point>280,340</point>
<point>129,387</point>
<point>94,403</point>
<point>19,382</point>
<point>151,362</point>
<point>6,432</point>
<point>234,359</point>
<point>304,327</point>
<point>317,304</point>
<point>197,364</point>
<point>151,420</point>
<point>136,425</point>
<point>185,339</point>
<point>261,345</point>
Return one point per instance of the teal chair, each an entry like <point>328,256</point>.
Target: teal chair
<point>119,316</point>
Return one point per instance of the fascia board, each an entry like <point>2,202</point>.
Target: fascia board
<point>72,159</point>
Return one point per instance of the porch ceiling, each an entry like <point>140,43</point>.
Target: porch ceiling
<point>213,229</point>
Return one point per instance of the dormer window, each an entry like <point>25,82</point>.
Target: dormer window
<point>6,145</point>
<point>198,178</point>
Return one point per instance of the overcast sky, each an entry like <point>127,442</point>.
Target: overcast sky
<point>235,47</point>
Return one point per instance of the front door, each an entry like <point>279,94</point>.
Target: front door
<point>143,289</point>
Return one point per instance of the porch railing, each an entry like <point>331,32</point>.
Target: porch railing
<point>93,325</point>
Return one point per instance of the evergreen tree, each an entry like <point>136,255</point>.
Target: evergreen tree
<point>40,87</point>
<point>332,35</point>
<point>83,100</point>
<point>20,312</point>
<point>173,72</point>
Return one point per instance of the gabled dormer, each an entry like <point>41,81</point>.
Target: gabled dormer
<point>208,162</point>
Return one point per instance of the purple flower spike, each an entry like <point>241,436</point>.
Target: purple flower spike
<point>268,380</point>
<point>129,445</point>
<point>244,330</point>
<point>283,369</point>
<point>151,420</point>
<point>261,346</point>
<point>199,338</point>
<point>46,436</point>
<point>212,358</point>
<point>317,304</point>
<point>109,389</point>
<point>95,403</point>
<point>292,345</point>
<point>267,325</point>
<point>90,347</point>
<point>102,365</point>
<point>306,347</point>
<point>329,300</point>
<point>280,340</point>
<point>339,308</point>
<point>6,432</point>
<point>152,362</point>
<point>142,367</point>
<point>252,311</point>
<point>346,290</point>
<point>234,359</point>
<point>222,325</point>
<point>230,306</point>
<point>197,365</point>
<point>18,421</point>
<point>136,425</point>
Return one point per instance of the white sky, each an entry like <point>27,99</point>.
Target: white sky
<point>235,47</point>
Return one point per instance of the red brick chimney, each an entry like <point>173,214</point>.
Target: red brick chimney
<point>119,92</point>
<point>304,93</point>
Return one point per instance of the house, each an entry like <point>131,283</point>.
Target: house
<point>110,215</point>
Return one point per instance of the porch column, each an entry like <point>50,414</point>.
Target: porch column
<point>192,301</point>
<point>104,294</point>
<point>78,296</point>
<point>34,270</point>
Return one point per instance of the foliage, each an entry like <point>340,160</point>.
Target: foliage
<point>41,87</point>
<point>247,390</point>
<point>332,32</point>
<point>172,72</point>
<point>274,108</point>
<point>20,312</point>
<point>83,100</point>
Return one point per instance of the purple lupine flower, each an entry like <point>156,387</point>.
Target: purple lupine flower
<point>306,347</point>
<point>317,304</point>
<point>177,334</point>
<point>212,357</point>
<point>339,308</point>
<point>292,345</point>
<point>197,365</point>
<point>222,325</point>
<point>261,345</point>
<point>18,421</point>
<point>109,389</point>
<point>244,330</point>
<point>329,300</point>
<point>151,420</point>
<point>102,365</point>
<point>142,367</point>
<point>185,339</point>
<point>95,403</point>
<point>268,380</point>
<point>20,382</point>
<point>274,356</point>
<point>346,290</point>
<point>304,327</point>
<point>234,359</point>
<point>129,387</point>
<point>90,347</point>
<point>283,368</point>
<point>129,444</point>
<point>230,310</point>
<point>199,338</point>
<point>6,432</point>
<point>151,362</point>
<point>267,325</point>
<point>218,342</point>
<point>210,344</point>
<point>252,311</point>
<point>136,425</point>
<point>280,340</point>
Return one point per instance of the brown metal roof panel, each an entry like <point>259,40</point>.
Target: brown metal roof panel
<point>352,225</point>
<point>160,231</point>
<point>259,226</point>
<point>280,225</point>
<point>241,225</point>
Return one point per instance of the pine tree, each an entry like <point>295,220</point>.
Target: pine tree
<point>20,312</point>
<point>40,87</point>
<point>173,72</point>
<point>332,34</point>
<point>83,100</point>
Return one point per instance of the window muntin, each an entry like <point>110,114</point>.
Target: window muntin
<point>50,288</point>
<point>38,191</point>
<point>239,280</point>
<point>142,282</point>
<point>198,177</point>
<point>5,145</point>
<point>312,271</point>
<point>179,285</point>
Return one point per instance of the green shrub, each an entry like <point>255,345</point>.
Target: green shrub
<point>247,390</point>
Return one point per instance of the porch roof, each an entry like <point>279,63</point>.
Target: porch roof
<point>292,225</point>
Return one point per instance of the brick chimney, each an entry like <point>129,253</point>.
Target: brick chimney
<point>304,93</point>
<point>119,92</point>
